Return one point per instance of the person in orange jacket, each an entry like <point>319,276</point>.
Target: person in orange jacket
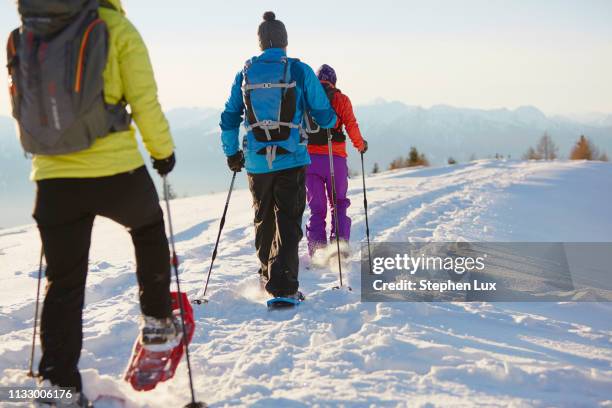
<point>318,178</point>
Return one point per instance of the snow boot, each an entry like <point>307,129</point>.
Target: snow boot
<point>160,334</point>
<point>299,296</point>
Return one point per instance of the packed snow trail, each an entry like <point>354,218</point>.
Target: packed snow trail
<point>333,348</point>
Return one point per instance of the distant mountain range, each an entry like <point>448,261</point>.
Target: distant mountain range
<point>439,132</point>
<point>442,131</point>
<point>390,128</point>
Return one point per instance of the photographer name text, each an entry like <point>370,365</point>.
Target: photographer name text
<point>425,285</point>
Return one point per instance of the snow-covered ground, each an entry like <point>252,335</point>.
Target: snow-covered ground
<point>334,349</point>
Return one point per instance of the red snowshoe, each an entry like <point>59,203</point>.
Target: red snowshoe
<point>147,368</point>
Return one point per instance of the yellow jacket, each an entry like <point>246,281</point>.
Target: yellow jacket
<point>128,74</point>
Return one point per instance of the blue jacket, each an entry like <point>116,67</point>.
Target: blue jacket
<point>309,91</point>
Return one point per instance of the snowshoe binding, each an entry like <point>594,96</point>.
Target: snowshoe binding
<point>283,302</point>
<point>160,334</point>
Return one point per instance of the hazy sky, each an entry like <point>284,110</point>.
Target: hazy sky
<point>554,54</point>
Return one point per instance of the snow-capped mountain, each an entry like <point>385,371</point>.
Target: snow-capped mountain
<point>442,131</point>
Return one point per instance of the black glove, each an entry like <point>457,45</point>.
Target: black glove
<point>364,148</point>
<point>236,161</point>
<point>164,166</point>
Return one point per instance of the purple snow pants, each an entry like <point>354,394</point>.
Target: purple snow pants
<point>319,196</point>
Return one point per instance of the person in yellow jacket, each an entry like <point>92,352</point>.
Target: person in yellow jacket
<point>107,179</point>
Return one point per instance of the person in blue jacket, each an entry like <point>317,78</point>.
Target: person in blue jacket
<point>272,94</point>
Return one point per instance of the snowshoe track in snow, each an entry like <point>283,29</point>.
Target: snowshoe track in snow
<point>337,349</point>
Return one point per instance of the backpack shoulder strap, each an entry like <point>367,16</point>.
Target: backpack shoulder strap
<point>331,92</point>
<point>245,69</point>
<point>291,62</point>
<point>285,71</point>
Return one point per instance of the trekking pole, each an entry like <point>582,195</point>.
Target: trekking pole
<point>365,206</point>
<point>40,267</point>
<point>175,265</point>
<point>335,203</point>
<point>214,254</point>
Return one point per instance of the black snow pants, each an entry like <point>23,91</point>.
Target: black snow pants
<point>279,199</point>
<point>65,210</point>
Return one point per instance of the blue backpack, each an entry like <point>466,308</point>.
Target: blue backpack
<point>271,101</point>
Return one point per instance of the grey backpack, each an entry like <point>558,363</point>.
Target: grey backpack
<point>55,63</point>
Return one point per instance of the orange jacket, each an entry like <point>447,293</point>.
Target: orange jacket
<point>346,117</point>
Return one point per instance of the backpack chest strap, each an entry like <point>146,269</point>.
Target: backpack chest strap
<point>272,124</point>
<point>268,85</point>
